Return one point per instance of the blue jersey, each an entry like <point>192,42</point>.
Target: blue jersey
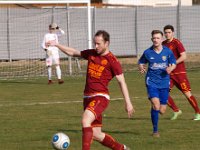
<point>157,75</point>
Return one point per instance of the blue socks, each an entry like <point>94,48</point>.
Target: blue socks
<point>154,119</point>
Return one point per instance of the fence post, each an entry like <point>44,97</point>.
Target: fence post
<point>178,20</point>
<point>136,31</point>
<point>53,12</point>
<point>8,33</point>
<point>68,39</point>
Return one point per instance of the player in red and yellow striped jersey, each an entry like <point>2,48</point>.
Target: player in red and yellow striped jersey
<point>178,77</point>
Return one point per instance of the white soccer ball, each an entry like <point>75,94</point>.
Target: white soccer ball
<point>60,141</point>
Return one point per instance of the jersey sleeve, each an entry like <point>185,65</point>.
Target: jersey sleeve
<point>172,59</point>
<point>60,32</point>
<point>116,67</point>
<point>44,42</point>
<point>142,59</point>
<point>85,54</point>
<point>180,47</point>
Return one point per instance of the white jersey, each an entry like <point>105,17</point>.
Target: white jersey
<point>52,55</point>
<point>48,37</point>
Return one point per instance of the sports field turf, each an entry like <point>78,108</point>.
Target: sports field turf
<point>32,111</point>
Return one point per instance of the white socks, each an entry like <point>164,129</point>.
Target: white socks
<point>49,73</point>
<point>58,72</point>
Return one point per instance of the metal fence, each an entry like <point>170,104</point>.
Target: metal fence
<point>22,30</point>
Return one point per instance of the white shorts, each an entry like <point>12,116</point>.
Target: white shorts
<point>50,60</point>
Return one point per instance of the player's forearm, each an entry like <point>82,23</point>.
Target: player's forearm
<point>173,66</point>
<point>170,68</point>
<point>182,58</point>
<point>124,88</point>
<point>125,92</point>
<point>68,50</point>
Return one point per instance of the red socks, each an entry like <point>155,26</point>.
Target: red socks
<point>172,105</point>
<point>87,136</point>
<point>192,100</point>
<point>108,141</point>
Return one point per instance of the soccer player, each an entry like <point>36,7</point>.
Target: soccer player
<point>161,62</point>
<point>178,77</point>
<point>102,67</point>
<point>52,55</point>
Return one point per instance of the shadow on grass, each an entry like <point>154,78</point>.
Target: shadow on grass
<point>126,118</point>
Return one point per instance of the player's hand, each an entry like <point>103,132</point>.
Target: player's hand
<point>169,69</point>
<point>130,110</point>
<point>51,43</point>
<point>142,69</point>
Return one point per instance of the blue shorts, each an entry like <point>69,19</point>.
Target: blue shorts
<point>162,94</point>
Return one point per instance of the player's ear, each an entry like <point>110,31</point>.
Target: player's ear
<point>152,39</point>
<point>107,43</point>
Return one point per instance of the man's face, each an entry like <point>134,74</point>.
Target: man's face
<point>168,34</point>
<point>52,30</point>
<point>157,39</point>
<point>100,45</point>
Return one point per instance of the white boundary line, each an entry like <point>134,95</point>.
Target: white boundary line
<point>51,103</point>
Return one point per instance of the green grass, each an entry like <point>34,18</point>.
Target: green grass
<point>30,115</point>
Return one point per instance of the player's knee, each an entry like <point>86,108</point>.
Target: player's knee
<point>188,94</point>
<point>156,106</point>
<point>85,122</point>
<point>162,111</point>
<point>97,135</point>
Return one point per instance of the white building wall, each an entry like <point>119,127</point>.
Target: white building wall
<point>154,3</point>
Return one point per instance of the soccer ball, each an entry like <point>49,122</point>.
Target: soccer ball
<point>60,141</point>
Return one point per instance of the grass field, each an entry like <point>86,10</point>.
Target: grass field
<point>32,111</point>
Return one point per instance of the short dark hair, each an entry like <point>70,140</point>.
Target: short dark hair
<point>104,34</point>
<point>169,27</point>
<point>156,32</point>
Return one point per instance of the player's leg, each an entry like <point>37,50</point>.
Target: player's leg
<point>155,110</point>
<point>58,70</point>
<point>107,140</point>
<point>92,117</point>
<point>49,69</point>
<point>171,103</point>
<point>193,102</point>
<point>153,94</point>
<point>184,87</point>
<point>87,132</point>
<point>163,97</point>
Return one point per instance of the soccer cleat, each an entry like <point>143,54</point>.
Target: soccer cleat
<point>197,117</point>
<point>50,82</point>
<point>60,81</point>
<point>176,114</point>
<point>126,148</point>
<point>156,135</point>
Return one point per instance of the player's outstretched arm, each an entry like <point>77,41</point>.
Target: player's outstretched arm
<point>67,50</point>
<point>128,105</point>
